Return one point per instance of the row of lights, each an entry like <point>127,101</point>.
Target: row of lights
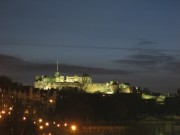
<point>47,124</point>
<point>5,111</point>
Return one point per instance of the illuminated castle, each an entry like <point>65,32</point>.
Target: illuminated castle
<point>83,82</point>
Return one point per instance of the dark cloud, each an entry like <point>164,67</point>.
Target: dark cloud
<point>145,42</point>
<point>136,62</point>
<point>74,69</point>
<point>150,57</point>
<point>173,67</point>
<point>10,62</point>
<point>154,57</point>
<point>25,70</point>
<point>148,60</point>
<point>142,46</point>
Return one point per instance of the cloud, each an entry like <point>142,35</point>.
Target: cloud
<point>147,57</point>
<point>144,61</point>
<point>153,56</point>
<point>173,67</point>
<point>25,70</point>
<point>135,62</point>
<point>145,42</point>
<point>10,62</point>
<point>143,45</point>
<point>74,69</point>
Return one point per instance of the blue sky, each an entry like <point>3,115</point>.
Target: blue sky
<point>126,40</point>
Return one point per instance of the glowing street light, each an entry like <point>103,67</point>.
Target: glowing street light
<point>40,120</point>
<point>47,124</point>
<point>50,100</point>
<point>65,124</point>
<point>73,127</point>
<point>3,112</point>
<point>24,118</point>
<point>41,127</point>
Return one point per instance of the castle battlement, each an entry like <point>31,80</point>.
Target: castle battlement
<point>83,82</point>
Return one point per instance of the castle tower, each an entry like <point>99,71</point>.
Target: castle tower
<point>57,73</point>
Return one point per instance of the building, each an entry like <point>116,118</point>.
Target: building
<point>83,82</point>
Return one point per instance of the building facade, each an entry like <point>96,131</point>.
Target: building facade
<point>83,82</point>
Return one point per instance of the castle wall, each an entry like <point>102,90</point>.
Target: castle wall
<point>101,87</point>
<point>95,87</point>
<point>82,82</point>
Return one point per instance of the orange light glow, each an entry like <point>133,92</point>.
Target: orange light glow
<point>24,118</point>
<point>47,124</point>
<point>41,127</point>
<point>40,120</point>
<point>73,127</point>
<point>65,124</point>
<point>50,100</point>
<point>3,112</point>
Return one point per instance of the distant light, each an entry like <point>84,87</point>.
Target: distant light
<point>41,127</point>
<point>0,116</point>
<point>54,122</point>
<point>9,113</point>
<point>40,120</point>
<point>58,125</point>
<point>26,112</point>
<point>49,134</point>
<point>47,124</point>
<point>3,112</point>
<point>34,122</point>
<point>73,128</point>
<point>50,100</point>
<point>65,124</point>
<point>110,92</point>
<point>10,108</point>
<point>24,118</point>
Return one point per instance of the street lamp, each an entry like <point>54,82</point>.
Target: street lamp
<point>40,120</point>
<point>47,124</point>
<point>24,118</point>
<point>65,124</point>
<point>41,127</point>
<point>73,127</point>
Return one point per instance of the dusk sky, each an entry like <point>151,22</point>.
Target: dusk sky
<point>134,41</point>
